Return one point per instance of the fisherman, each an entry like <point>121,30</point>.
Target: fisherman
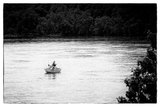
<point>53,65</point>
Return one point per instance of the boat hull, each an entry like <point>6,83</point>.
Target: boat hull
<point>55,70</point>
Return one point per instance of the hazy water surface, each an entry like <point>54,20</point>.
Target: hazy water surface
<point>92,71</point>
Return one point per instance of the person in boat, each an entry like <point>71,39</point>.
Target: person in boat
<point>52,66</point>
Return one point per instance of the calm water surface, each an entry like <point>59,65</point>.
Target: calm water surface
<point>92,71</point>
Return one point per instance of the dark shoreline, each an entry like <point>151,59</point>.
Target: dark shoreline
<point>68,39</point>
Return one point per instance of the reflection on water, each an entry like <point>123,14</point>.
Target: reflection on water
<point>93,71</point>
<point>50,75</point>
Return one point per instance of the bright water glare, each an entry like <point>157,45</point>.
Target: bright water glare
<point>93,71</point>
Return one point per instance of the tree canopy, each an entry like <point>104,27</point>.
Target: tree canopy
<point>79,20</point>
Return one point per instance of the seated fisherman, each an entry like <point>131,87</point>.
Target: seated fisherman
<point>52,66</point>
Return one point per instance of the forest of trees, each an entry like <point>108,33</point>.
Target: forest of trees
<point>79,20</point>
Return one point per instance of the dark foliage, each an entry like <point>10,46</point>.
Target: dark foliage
<point>142,84</point>
<point>79,19</point>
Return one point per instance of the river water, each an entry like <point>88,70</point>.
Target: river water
<point>93,70</point>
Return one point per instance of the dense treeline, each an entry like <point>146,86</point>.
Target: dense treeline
<point>79,20</point>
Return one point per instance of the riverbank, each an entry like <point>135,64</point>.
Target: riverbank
<point>50,38</point>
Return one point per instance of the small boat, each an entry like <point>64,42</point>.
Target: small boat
<point>55,70</point>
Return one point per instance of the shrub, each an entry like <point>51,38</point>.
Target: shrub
<point>142,84</point>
